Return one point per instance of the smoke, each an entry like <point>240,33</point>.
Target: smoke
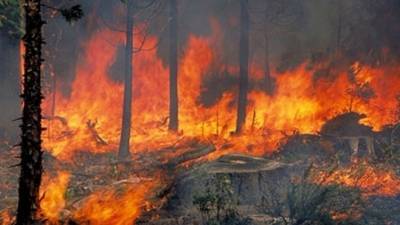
<point>9,88</point>
<point>297,31</point>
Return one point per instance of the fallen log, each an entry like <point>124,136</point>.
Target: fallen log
<point>190,155</point>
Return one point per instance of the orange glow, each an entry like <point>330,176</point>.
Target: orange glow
<point>89,118</point>
<point>21,50</point>
<point>53,190</point>
<point>371,180</point>
<point>5,217</point>
<point>114,207</point>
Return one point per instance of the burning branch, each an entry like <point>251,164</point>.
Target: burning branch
<point>92,128</point>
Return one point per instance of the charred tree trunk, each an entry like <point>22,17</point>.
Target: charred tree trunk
<point>339,28</point>
<point>173,66</point>
<point>31,152</point>
<point>244,65</point>
<point>267,72</point>
<point>124,151</point>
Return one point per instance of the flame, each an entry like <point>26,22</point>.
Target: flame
<point>109,206</point>
<point>89,117</point>
<point>113,207</point>
<point>369,179</point>
<point>53,190</point>
<point>6,218</point>
<point>21,59</point>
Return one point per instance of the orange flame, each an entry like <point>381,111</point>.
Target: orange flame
<point>370,180</point>
<point>111,207</point>
<point>21,63</point>
<point>6,218</point>
<point>301,102</point>
<point>53,190</point>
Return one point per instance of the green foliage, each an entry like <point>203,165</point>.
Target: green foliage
<point>10,18</point>
<point>205,203</point>
<point>217,204</point>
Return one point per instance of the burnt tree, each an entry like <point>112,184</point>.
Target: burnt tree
<point>31,152</point>
<point>267,71</point>
<point>124,151</point>
<point>339,26</point>
<point>173,66</point>
<point>277,16</point>
<point>244,65</point>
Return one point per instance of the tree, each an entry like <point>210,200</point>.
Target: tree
<point>124,152</point>
<point>276,16</point>
<point>31,152</point>
<point>173,66</point>
<point>339,26</point>
<point>31,129</point>
<point>351,27</point>
<point>267,70</point>
<point>132,7</point>
<point>244,65</point>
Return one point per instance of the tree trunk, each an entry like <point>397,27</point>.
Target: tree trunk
<point>267,72</point>
<point>124,152</point>
<point>339,28</point>
<point>244,64</point>
<point>173,66</point>
<point>31,153</point>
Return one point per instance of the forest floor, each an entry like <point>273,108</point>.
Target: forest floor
<point>89,173</point>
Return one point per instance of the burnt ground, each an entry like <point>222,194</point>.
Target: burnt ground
<point>187,175</point>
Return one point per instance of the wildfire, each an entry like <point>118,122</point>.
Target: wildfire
<point>53,192</point>
<point>89,117</point>
<point>370,180</point>
<point>5,217</point>
<point>114,207</point>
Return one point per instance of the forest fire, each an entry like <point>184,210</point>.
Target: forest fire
<point>82,120</point>
<point>88,118</point>
<point>111,207</point>
<point>234,117</point>
<point>116,205</point>
<point>370,180</point>
<point>53,191</point>
<point>6,217</point>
